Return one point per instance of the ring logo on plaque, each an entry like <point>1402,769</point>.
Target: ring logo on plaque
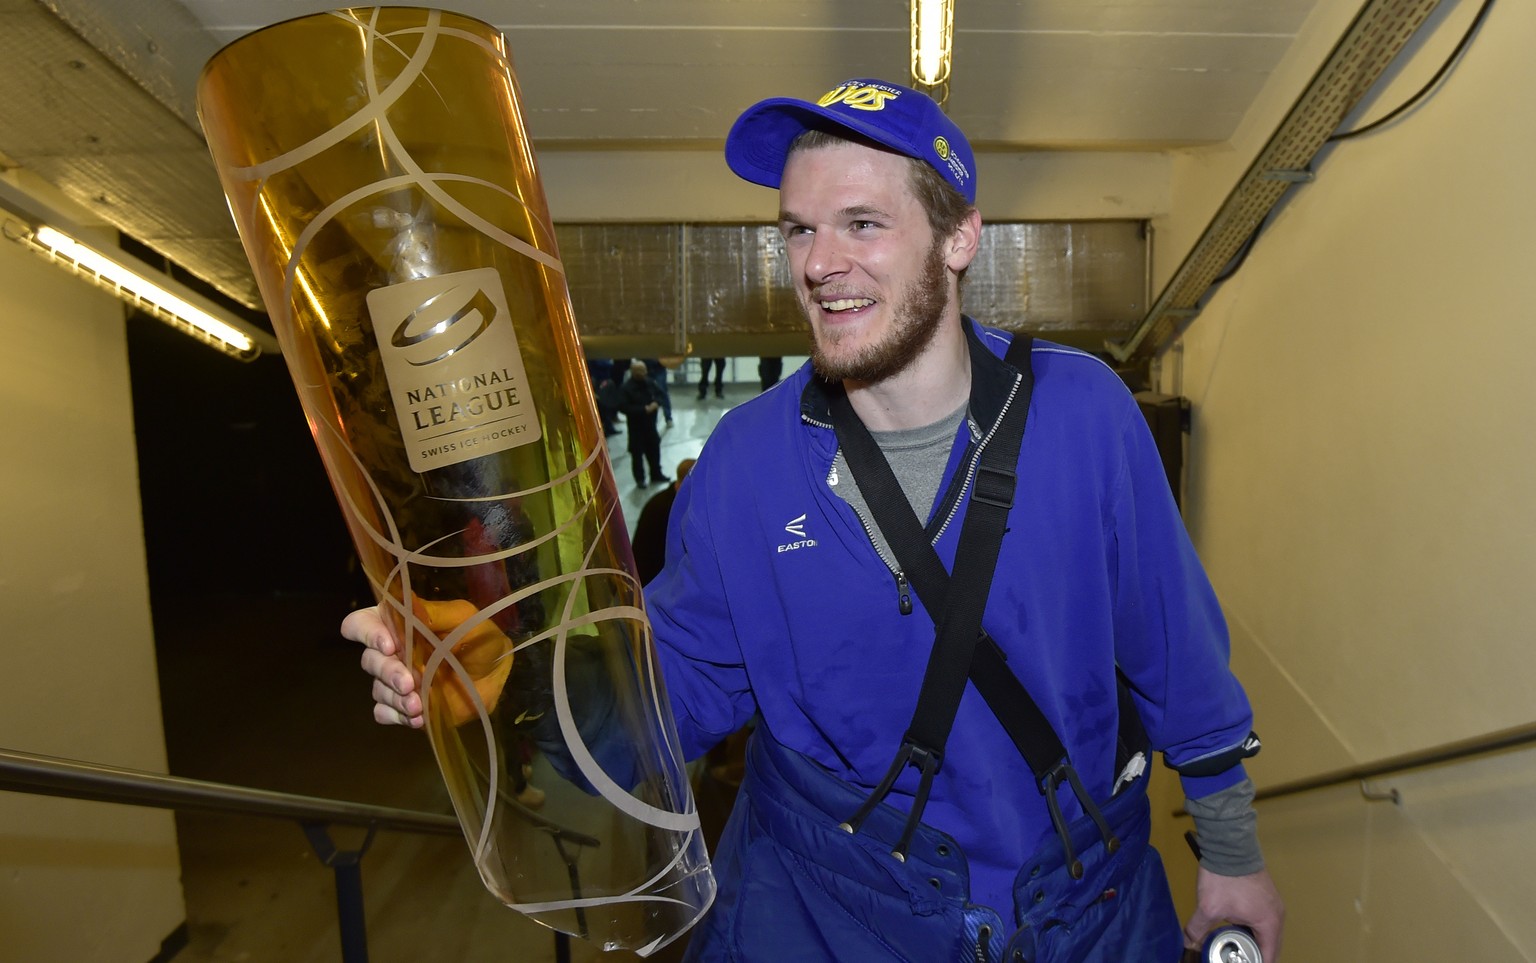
<point>453,366</point>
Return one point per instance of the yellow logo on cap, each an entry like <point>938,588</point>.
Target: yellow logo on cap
<point>942,147</point>
<point>858,97</point>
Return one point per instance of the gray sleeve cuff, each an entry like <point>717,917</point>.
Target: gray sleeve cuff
<point>1227,829</point>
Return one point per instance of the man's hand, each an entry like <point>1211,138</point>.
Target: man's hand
<point>1251,901</point>
<point>396,699</point>
<point>485,654</point>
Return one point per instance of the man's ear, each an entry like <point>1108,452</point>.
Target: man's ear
<point>961,245</point>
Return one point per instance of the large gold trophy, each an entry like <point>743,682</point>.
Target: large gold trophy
<point>379,173</point>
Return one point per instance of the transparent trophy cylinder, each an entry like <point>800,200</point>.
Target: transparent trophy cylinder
<point>383,184</point>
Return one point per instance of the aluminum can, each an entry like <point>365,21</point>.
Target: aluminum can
<point>1230,944</point>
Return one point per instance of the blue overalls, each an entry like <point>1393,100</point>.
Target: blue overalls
<point>796,887</point>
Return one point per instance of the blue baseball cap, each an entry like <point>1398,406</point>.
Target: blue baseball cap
<point>907,121</point>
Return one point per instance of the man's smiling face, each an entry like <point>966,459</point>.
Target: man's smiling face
<point>870,276</point>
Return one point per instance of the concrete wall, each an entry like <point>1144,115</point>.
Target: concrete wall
<point>1362,487</point>
<point>78,880</point>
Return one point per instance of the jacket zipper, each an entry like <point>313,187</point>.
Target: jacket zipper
<point>970,471</point>
<point>904,587</point>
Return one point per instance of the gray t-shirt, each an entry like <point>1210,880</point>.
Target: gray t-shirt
<point>917,457</point>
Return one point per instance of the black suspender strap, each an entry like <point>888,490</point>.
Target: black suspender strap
<point>962,650</point>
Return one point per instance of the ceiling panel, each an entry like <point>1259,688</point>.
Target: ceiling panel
<point>1112,74</point>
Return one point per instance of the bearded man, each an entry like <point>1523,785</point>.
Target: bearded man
<point>782,600</point>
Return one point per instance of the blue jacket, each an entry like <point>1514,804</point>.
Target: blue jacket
<point>774,602</point>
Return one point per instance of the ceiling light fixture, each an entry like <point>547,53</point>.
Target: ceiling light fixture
<point>130,280</point>
<point>933,29</point>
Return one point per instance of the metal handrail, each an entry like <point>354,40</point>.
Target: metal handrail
<point>1447,752</point>
<point>73,779</point>
<point>50,776</point>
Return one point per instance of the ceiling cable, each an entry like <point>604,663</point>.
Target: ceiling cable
<point>1423,91</point>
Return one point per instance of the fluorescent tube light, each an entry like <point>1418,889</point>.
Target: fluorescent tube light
<point>129,279</point>
<point>933,28</point>
<point>142,289</point>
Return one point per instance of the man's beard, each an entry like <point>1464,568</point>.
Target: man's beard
<point>913,325</point>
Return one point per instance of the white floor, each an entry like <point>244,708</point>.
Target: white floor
<point>692,421</point>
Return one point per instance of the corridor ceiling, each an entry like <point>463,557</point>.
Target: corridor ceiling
<point>98,94</point>
<point>1117,74</point>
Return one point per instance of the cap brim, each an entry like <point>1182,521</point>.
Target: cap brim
<point>758,144</point>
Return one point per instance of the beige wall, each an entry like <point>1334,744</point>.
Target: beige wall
<point>78,880</point>
<point>1362,486</point>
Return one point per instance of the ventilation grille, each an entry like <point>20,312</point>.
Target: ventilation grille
<point>713,284</point>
